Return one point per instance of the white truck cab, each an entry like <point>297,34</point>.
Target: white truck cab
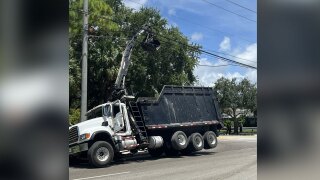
<point>107,123</point>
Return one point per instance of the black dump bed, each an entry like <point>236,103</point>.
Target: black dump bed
<point>180,104</point>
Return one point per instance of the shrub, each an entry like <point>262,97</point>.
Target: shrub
<point>74,116</point>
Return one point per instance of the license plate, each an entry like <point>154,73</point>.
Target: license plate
<point>74,149</point>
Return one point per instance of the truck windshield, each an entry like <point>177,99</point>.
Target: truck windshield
<point>96,113</point>
<point>107,110</point>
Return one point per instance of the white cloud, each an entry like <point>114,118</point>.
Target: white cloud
<point>137,4</point>
<point>248,56</point>
<point>172,12</point>
<point>196,36</point>
<point>225,44</point>
<point>207,76</point>
<point>251,74</point>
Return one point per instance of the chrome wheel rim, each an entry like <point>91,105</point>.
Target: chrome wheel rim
<point>198,141</point>
<point>102,154</point>
<point>212,139</point>
<point>182,139</point>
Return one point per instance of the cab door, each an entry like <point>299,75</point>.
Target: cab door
<point>118,120</point>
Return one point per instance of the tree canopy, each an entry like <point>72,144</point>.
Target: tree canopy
<point>114,24</point>
<point>236,98</point>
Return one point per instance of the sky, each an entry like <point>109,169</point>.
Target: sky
<point>229,31</point>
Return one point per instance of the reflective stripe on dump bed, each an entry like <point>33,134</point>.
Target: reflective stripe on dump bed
<point>159,126</point>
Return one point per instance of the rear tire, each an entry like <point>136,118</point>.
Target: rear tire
<point>196,142</point>
<point>210,140</point>
<point>179,140</point>
<point>100,154</point>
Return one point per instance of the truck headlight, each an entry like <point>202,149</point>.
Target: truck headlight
<point>84,136</point>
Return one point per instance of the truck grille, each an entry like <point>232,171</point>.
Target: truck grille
<point>73,135</point>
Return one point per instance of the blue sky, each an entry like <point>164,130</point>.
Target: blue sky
<point>216,30</point>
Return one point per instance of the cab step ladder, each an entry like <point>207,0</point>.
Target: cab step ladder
<point>139,122</point>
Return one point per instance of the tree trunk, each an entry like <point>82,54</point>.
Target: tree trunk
<point>236,126</point>
<point>236,122</point>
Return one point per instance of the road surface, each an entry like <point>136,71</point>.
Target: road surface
<point>234,158</point>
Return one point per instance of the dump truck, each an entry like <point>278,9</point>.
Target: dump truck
<point>180,121</point>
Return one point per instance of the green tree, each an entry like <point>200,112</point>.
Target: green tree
<point>149,71</point>
<point>236,98</point>
<point>99,13</point>
<point>172,64</point>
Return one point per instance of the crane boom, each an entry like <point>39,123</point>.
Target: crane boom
<point>125,61</point>
<point>149,44</point>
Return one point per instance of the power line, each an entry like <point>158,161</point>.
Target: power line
<point>208,53</point>
<point>209,29</point>
<point>203,26</point>
<point>217,6</point>
<point>241,6</point>
<point>233,56</point>
<point>227,59</point>
<point>178,17</point>
<point>212,29</point>
<point>201,50</point>
<point>221,65</point>
<point>168,40</point>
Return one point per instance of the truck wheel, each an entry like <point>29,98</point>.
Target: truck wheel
<point>210,140</point>
<point>196,142</point>
<point>179,140</point>
<point>100,154</point>
<point>155,152</point>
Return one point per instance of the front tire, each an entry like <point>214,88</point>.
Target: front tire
<point>100,154</point>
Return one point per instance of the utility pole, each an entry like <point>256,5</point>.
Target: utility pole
<point>84,78</point>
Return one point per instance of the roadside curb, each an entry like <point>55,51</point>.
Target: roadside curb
<point>236,137</point>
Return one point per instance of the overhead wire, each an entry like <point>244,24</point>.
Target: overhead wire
<point>221,65</point>
<point>232,2</point>
<point>220,7</point>
<point>207,52</point>
<point>201,50</point>
<point>211,30</point>
<point>200,25</point>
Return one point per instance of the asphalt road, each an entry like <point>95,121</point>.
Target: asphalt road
<point>235,157</point>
